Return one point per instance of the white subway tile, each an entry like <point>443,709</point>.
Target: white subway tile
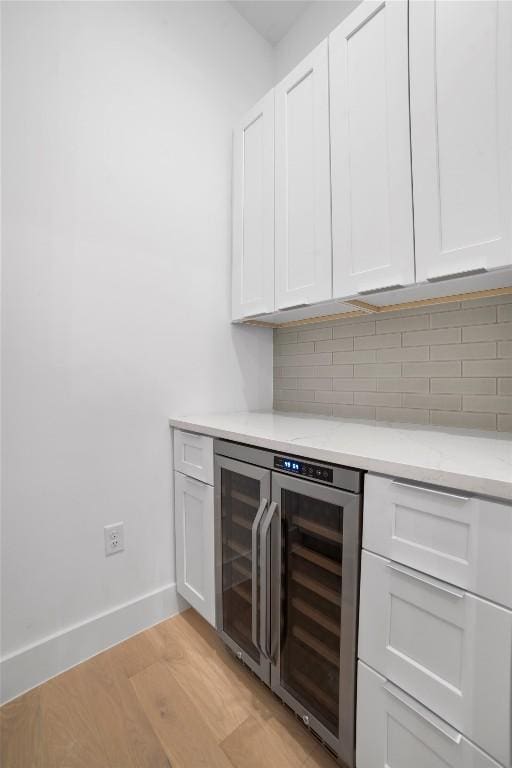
<point>504,423</point>
<point>334,397</point>
<point>355,385</point>
<point>504,348</point>
<point>391,324</point>
<point>294,395</point>
<point>354,412</point>
<point>487,368</point>
<point>392,399</point>
<point>315,334</point>
<point>319,358</point>
<point>452,368</point>
<point>505,386</point>
<point>335,345</point>
<point>505,313</point>
<point>361,356</point>
<point>315,383</point>
<point>378,342</point>
<point>402,384</point>
<point>496,332</point>
<point>421,338</point>
<point>283,336</point>
<point>285,383</point>
<point>408,415</point>
<point>461,419</point>
<point>477,351</point>
<point>462,317</point>
<point>363,328</point>
<point>406,354</point>
<point>437,402</point>
<point>463,385</point>
<point>486,403</point>
<point>378,370</point>
<point>318,409</point>
<point>302,348</point>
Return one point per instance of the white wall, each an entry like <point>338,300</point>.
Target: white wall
<point>312,26</point>
<point>116,259</point>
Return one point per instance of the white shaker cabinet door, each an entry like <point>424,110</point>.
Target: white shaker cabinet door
<point>303,188</point>
<point>461,124</point>
<point>448,649</point>
<point>372,221</point>
<point>253,211</point>
<point>194,528</point>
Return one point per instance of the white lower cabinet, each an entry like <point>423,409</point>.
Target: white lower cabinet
<point>446,647</point>
<point>194,528</point>
<point>396,731</point>
<point>453,536</point>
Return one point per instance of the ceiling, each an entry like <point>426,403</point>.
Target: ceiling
<point>271,18</point>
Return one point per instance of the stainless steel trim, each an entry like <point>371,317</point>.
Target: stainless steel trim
<point>262,667</point>
<point>429,580</point>
<point>422,712</point>
<point>344,742</point>
<point>264,582</point>
<point>427,489</point>
<point>347,478</point>
<point>254,564</point>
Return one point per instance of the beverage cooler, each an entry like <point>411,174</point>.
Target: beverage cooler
<point>288,542</point>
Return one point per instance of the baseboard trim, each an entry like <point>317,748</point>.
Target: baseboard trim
<point>30,666</point>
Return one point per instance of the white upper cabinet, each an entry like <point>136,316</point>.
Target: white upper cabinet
<point>253,212</point>
<point>372,223</point>
<point>461,105</point>
<point>303,190</point>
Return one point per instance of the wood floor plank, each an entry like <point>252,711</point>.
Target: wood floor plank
<point>129,740</point>
<point>176,720</point>
<point>20,732</point>
<point>134,654</point>
<point>320,758</point>
<point>261,743</point>
<point>70,735</point>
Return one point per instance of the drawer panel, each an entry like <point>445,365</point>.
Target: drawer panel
<point>457,538</point>
<point>193,455</point>
<point>396,731</point>
<point>445,647</point>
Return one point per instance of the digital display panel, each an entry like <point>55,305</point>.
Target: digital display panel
<point>311,471</point>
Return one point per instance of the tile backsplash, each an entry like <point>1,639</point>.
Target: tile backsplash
<point>447,365</point>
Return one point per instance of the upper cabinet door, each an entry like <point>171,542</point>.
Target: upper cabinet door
<point>303,190</point>
<point>373,245</point>
<point>461,105</point>
<point>253,212</point>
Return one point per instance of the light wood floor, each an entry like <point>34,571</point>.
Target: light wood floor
<point>171,696</point>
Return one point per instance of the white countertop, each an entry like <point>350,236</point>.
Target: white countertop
<point>477,462</point>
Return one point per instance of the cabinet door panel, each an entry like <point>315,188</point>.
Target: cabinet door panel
<point>195,536</point>
<point>253,211</point>
<point>370,150</point>
<point>449,649</point>
<point>303,213</point>
<point>404,733</point>
<point>461,105</point>
<point>193,455</point>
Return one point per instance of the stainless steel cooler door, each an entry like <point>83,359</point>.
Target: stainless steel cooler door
<point>242,498</point>
<point>316,541</point>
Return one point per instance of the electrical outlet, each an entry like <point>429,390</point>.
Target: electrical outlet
<point>114,538</point>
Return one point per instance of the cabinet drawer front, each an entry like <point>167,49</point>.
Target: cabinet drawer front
<point>396,731</point>
<point>193,455</point>
<point>461,539</point>
<point>447,648</point>
<point>195,536</point>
